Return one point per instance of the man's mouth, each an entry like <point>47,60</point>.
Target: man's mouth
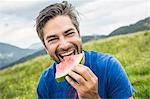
<point>68,53</point>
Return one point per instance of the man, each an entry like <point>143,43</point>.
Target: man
<point>99,76</point>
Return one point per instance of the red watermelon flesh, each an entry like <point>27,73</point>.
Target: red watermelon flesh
<point>64,67</point>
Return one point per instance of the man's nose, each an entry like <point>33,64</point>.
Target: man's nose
<point>64,44</point>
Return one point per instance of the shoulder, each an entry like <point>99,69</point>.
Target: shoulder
<point>98,62</point>
<point>95,54</point>
<point>103,63</point>
<point>98,58</point>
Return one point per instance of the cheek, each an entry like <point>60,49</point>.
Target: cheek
<point>77,41</point>
<point>51,50</point>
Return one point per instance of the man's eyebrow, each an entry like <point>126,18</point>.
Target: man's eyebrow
<point>50,36</point>
<point>68,30</point>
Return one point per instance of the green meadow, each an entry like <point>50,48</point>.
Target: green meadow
<point>132,50</point>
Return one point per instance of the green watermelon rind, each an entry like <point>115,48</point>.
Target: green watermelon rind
<point>81,60</point>
<point>60,79</point>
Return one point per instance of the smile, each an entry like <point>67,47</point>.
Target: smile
<point>67,53</point>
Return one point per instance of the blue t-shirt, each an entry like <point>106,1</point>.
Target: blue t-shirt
<point>112,79</point>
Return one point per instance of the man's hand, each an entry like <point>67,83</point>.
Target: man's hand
<point>86,82</point>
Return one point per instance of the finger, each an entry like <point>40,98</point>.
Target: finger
<point>83,71</point>
<point>71,82</point>
<point>88,70</point>
<point>77,77</point>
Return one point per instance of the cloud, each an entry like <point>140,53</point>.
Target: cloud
<point>116,13</point>
<point>23,34</point>
<point>30,9</point>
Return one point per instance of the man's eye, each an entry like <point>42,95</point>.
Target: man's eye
<point>52,40</point>
<point>70,34</point>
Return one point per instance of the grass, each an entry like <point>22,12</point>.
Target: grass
<point>20,81</point>
<point>132,50</point>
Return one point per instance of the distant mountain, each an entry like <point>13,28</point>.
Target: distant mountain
<point>26,58</point>
<point>138,26</point>
<point>10,54</point>
<point>92,37</point>
<point>37,46</point>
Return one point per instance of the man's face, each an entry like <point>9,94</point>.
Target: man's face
<point>61,38</point>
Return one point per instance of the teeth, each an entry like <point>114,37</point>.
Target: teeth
<point>66,54</point>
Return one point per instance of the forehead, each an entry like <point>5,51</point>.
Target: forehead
<point>59,24</point>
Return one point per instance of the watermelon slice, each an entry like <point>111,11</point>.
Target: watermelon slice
<point>64,67</point>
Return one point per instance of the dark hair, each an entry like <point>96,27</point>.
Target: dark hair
<point>52,11</point>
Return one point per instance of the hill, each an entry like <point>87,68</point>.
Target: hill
<point>36,46</point>
<point>36,53</point>
<point>138,26</point>
<point>133,51</point>
<point>92,37</point>
<point>10,54</point>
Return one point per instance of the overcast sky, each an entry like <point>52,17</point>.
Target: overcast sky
<point>17,18</point>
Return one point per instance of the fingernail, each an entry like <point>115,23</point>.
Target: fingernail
<point>66,77</point>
